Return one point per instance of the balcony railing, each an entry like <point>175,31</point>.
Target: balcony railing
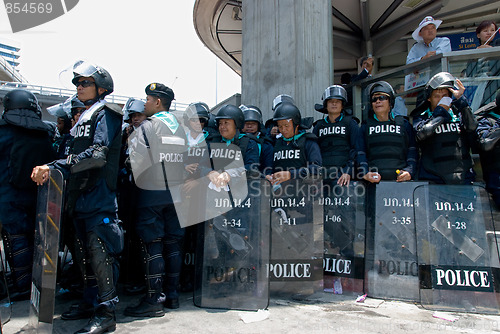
<point>478,69</point>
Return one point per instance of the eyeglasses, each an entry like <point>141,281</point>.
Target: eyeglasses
<point>380,97</point>
<point>85,83</point>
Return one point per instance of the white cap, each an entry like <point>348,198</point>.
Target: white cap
<point>426,21</point>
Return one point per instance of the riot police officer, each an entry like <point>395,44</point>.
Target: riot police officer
<point>296,153</point>
<point>337,134</point>
<point>133,116</point>
<point>243,155</point>
<point>386,145</point>
<point>488,132</point>
<point>25,141</point>
<point>91,170</point>
<point>271,127</point>
<point>163,140</point>
<point>445,130</point>
<point>253,126</point>
<point>63,112</point>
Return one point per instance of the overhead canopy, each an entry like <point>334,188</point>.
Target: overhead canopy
<point>382,27</point>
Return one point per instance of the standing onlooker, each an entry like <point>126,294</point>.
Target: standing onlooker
<point>427,44</point>
<point>366,64</point>
<point>485,33</point>
<point>399,102</point>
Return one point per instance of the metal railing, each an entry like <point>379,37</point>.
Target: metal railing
<point>467,65</point>
<point>66,93</point>
<point>4,64</point>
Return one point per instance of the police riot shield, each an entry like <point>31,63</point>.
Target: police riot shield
<point>159,161</point>
<point>46,252</point>
<point>232,254</point>
<point>229,159</point>
<point>452,245</point>
<point>344,245</point>
<point>391,257</point>
<point>297,239</point>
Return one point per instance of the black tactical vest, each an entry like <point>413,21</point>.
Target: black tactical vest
<point>289,155</point>
<point>445,153</point>
<point>386,146</point>
<point>84,138</point>
<point>334,142</point>
<point>224,157</point>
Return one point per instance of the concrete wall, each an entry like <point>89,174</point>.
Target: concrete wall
<point>287,49</point>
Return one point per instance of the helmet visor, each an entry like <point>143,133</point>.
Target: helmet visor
<point>61,109</point>
<point>80,68</point>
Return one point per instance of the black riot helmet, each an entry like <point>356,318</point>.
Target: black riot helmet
<point>101,77</point>
<point>251,113</point>
<point>280,99</point>
<point>440,80</point>
<point>230,111</point>
<point>76,106</point>
<point>198,110</point>
<point>383,87</point>
<point>287,111</point>
<point>21,99</point>
<point>334,92</point>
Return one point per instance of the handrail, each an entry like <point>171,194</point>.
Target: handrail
<point>434,64</point>
<point>12,70</point>
<point>65,93</point>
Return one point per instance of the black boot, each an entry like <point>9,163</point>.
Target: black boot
<point>78,311</point>
<point>103,320</point>
<point>145,309</point>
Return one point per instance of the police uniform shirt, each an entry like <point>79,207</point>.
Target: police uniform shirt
<point>363,156</point>
<point>329,134</point>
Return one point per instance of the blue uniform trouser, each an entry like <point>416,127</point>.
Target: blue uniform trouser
<point>101,241</point>
<point>162,238</point>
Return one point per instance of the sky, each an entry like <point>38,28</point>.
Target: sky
<point>138,42</point>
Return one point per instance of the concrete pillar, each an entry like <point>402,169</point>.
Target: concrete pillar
<point>287,49</point>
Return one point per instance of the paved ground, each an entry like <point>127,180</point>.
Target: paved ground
<point>321,313</point>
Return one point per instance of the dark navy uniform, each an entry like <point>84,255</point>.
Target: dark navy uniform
<point>337,143</point>
<point>387,146</point>
<point>157,224</point>
<point>445,140</point>
<point>25,142</point>
<point>488,132</point>
<point>91,196</point>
